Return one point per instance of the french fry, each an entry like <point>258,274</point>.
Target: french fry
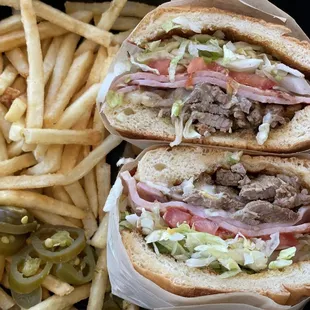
<point>69,158</point>
<point>91,191</point>
<point>98,124</point>
<point>53,219</point>
<point>51,162</point>
<point>46,30</point>
<point>7,78</point>
<point>76,110</point>
<point>11,23</point>
<point>19,61</point>
<point>3,148</point>
<point>45,293</point>
<point>99,283</point>
<point>60,302</point>
<point>94,75</point>
<point>119,38</point>
<point>33,201</point>
<point>15,148</point>
<point>8,96</point>
<point>45,45</point>
<point>10,166</point>
<point>103,178</point>
<point>48,192</point>
<point>35,85</point>
<point>1,63</point>
<point>99,240</point>
<point>16,130</point>
<point>78,172</point>
<point>105,23</point>
<point>66,21</point>
<point>60,193</point>
<point>57,286</point>
<point>6,301</point>
<point>28,147</point>
<point>131,8</point>
<point>2,265</point>
<point>63,62</point>
<point>79,67</point>
<point>56,136</point>
<point>16,111</point>
<point>19,84</point>
<point>5,126</point>
<point>78,196</point>
<point>50,58</point>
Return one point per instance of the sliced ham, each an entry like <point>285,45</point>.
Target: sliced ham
<point>149,193</point>
<point>226,224</point>
<point>204,225</point>
<point>215,78</point>
<point>174,216</point>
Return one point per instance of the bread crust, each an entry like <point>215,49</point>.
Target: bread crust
<point>274,38</point>
<point>288,291</point>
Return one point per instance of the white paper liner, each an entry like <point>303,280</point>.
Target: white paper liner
<point>260,9</point>
<point>127,283</point>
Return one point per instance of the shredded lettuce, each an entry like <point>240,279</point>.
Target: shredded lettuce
<point>152,46</point>
<point>143,67</point>
<point>177,108</point>
<point>279,264</point>
<point>178,125</point>
<point>200,262</point>
<point>287,253</point>
<point>174,62</point>
<point>189,131</point>
<point>234,158</point>
<point>263,133</point>
<point>114,99</point>
<point>169,25</point>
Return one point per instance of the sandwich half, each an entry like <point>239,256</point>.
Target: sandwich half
<point>213,77</point>
<point>198,221</point>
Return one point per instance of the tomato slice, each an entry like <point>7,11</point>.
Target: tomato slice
<point>287,240</point>
<point>162,65</point>
<point>175,216</point>
<point>198,64</point>
<point>204,225</point>
<point>253,80</point>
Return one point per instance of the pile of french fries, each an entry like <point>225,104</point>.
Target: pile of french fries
<point>53,144</point>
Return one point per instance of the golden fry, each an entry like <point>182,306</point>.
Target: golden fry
<point>10,166</point>
<point>6,301</point>
<point>131,8</point>
<point>11,23</point>
<point>94,75</point>
<point>50,58</point>
<point>90,186</point>
<point>34,201</point>
<point>15,148</point>
<point>5,126</point>
<point>16,130</point>
<point>99,283</point>
<point>3,148</point>
<point>19,84</point>
<point>103,177</point>
<point>67,136</point>
<point>51,162</point>
<point>78,70</point>
<point>39,181</point>
<point>46,30</point>
<point>7,78</point>
<point>18,59</point>
<point>99,239</point>
<point>57,286</point>
<point>60,302</point>
<point>35,85</point>
<point>16,111</point>
<point>45,46</point>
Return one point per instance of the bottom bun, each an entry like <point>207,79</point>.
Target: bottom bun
<point>286,286</point>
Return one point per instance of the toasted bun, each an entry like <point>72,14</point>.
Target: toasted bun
<point>140,122</point>
<point>274,38</point>
<point>143,123</point>
<point>167,165</point>
<point>173,165</point>
<point>286,286</point>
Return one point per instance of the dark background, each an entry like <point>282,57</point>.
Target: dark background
<point>298,9</point>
